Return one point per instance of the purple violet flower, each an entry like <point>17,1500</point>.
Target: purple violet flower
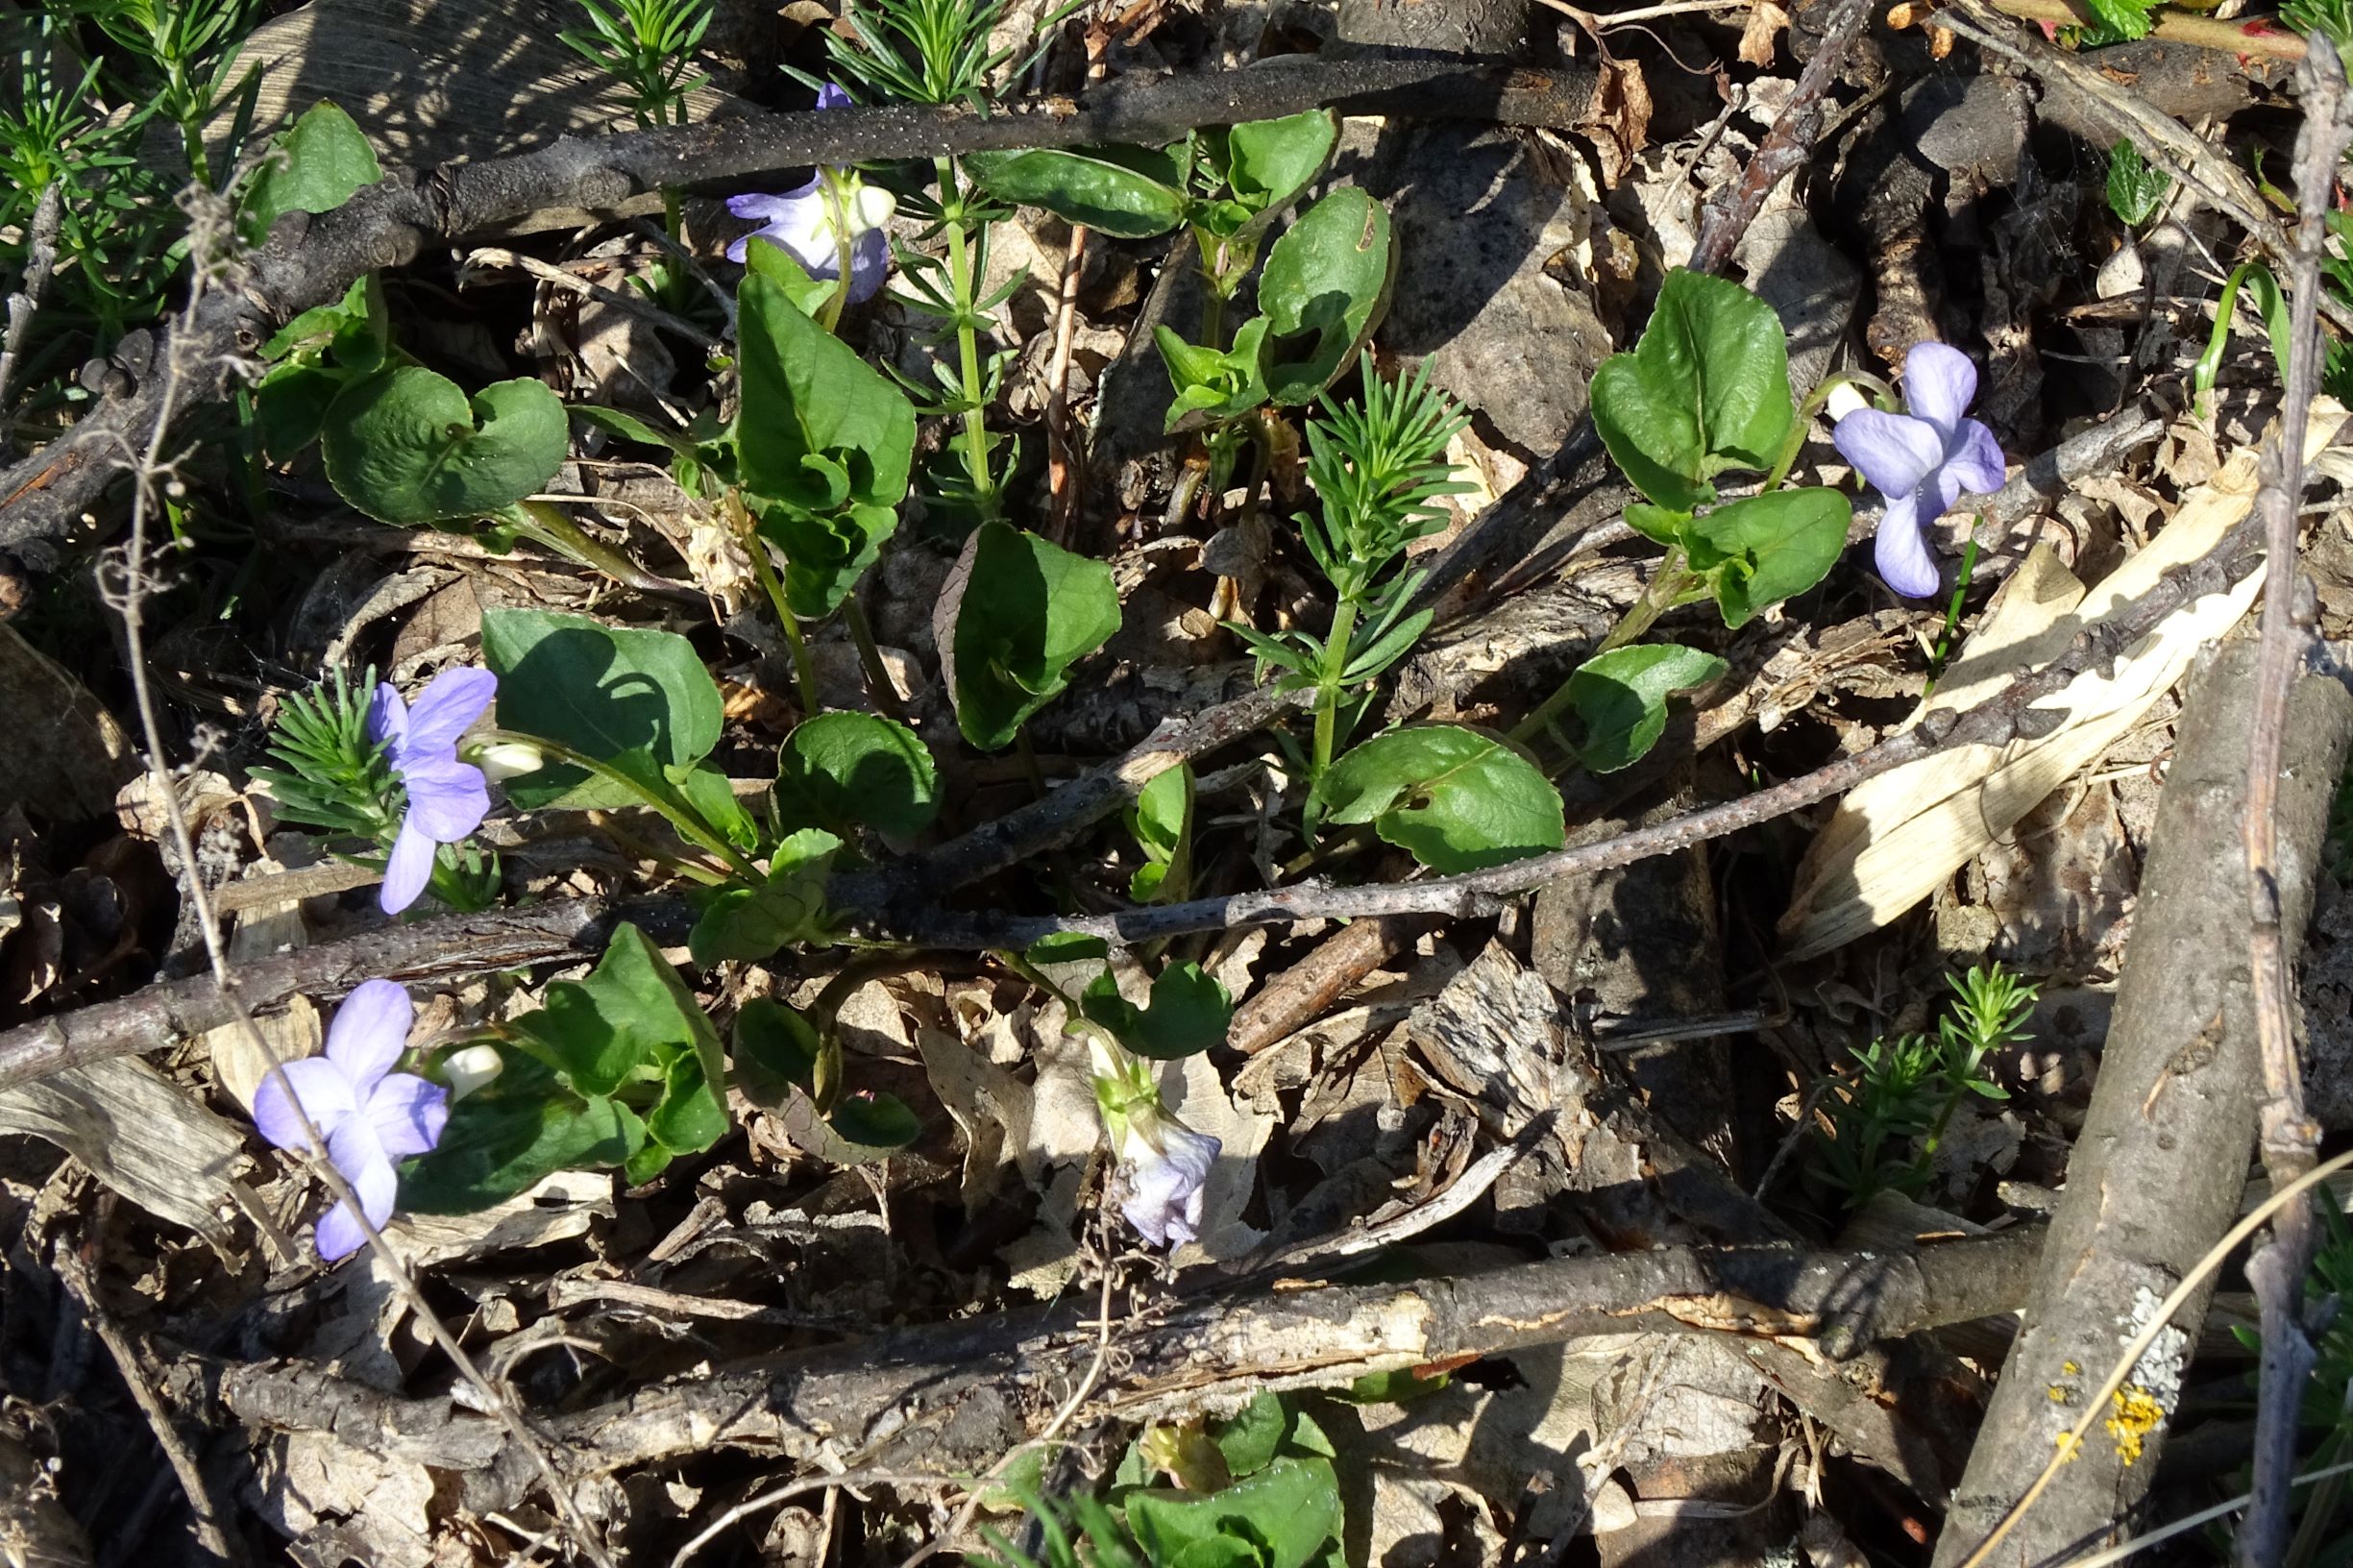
<point>370,1116</point>
<point>1164,1164</point>
<point>1922,460</point>
<point>447,798</point>
<point>802,221</point>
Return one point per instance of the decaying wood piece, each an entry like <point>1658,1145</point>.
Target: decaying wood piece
<point>2158,1169</point>
<point>954,1397</point>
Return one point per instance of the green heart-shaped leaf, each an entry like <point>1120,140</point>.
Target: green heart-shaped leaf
<point>408,447</point>
<point>1620,700</point>
<point>1760,551</point>
<point>612,692</point>
<point>1706,389</point>
<point>315,167</point>
<point>1326,284</point>
<point>1017,613</point>
<point>845,770</point>
<point>1456,799</point>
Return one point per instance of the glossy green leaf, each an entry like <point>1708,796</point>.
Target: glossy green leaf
<point>875,1120</point>
<point>1017,613</point>
<point>508,1138</point>
<point>1289,1511</point>
<point>1659,524</point>
<point>2127,19</point>
<point>752,924</point>
<point>290,406</point>
<point>1250,1439</point>
<point>1066,947</point>
<point>1209,385</point>
<point>1270,162</point>
<point>1219,1552</point>
<point>1161,821</point>
<point>1456,800</point>
<point>779,266</point>
<point>1760,551</point>
<point>820,430</point>
<point>603,691</point>
<point>776,1052</point>
<point>408,447</point>
<point>841,770</point>
<point>315,167</point>
<point>1706,389</point>
<point>1620,699</point>
<point>1123,191</point>
<point>2134,187</point>
<point>1326,284</point>
<point>1190,1012</point>
<point>626,1023</point>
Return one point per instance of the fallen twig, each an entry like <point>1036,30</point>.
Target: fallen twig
<point>2278,888</point>
<point>2252,36</point>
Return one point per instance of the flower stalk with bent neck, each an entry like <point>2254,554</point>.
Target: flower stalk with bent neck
<point>447,798</point>
<point>832,226</point>
<point>370,1117</point>
<point>1922,461</point>
<point>1162,1163</point>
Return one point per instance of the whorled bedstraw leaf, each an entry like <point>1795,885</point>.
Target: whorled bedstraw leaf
<point>1620,699</point>
<point>752,922</point>
<point>1190,1012</point>
<point>1161,821</point>
<point>1454,799</point>
<point>624,1024</point>
<point>1706,389</point>
<point>1325,286</point>
<point>1017,611</point>
<point>513,1134</point>
<point>315,167</point>
<point>841,770</point>
<point>408,447</point>
<point>1285,1514</point>
<point>1760,550</point>
<point>603,691</point>
<point>1129,192</point>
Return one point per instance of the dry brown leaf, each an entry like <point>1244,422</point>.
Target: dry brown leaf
<point>1619,121</point>
<point>1759,38</point>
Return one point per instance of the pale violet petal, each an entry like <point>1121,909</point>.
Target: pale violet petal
<point>1163,1185</point>
<point>323,1090</point>
<point>356,1154</point>
<point>387,715</point>
<point>869,263</point>
<point>1939,385</point>
<point>369,1031</point>
<point>339,1235</point>
<point>409,869</point>
<point>408,1113</point>
<point>1900,550</point>
<point>831,96</point>
<point>445,709</point>
<point>1892,451</point>
<point>447,798</point>
<point>1974,459</point>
